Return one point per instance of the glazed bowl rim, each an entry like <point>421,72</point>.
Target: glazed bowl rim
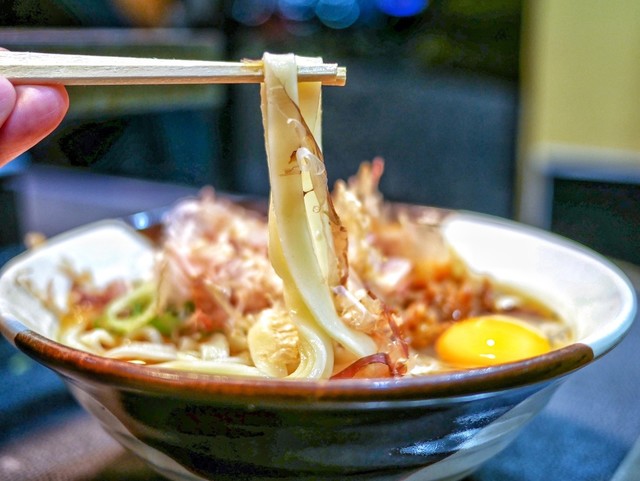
<point>72,363</point>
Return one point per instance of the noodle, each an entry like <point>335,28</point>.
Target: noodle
<point>292,297</point>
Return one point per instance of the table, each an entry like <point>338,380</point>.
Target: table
<point>583,434</point>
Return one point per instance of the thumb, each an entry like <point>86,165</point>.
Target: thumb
<point>37,111</point>
<point>7,99</point>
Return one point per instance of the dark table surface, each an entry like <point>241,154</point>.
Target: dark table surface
<point>582,435</point>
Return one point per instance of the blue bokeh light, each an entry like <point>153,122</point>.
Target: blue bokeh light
<point>252,12</point>
<point>297,10</point>
<point>402,8</point>
<point>338,14</point>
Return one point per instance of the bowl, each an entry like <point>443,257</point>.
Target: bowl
<point>190,426</point>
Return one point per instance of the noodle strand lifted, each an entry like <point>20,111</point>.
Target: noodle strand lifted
<point>293,297</point>
<point>300,234</point>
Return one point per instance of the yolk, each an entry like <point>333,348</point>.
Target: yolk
<point>487,340</point>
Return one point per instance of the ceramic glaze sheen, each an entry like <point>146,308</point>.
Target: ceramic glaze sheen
<point>311,433</point>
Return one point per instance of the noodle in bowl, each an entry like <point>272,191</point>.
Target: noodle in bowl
<point>190,425</point>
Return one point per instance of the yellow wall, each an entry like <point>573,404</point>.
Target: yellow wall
<point>581,74</point>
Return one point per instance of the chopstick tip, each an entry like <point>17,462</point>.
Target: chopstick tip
<point>341,76</point>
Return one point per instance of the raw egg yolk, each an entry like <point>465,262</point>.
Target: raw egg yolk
<point>488,340</point>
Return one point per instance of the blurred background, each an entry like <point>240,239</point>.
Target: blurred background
<point>521,109</point>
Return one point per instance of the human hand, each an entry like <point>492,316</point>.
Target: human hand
<point>28,113</point>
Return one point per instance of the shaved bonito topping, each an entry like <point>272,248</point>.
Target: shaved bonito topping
<point>292,296</point>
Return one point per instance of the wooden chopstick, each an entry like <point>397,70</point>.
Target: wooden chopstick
<point>64,69</point>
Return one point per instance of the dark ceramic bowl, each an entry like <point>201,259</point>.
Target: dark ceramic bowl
<point>192,426</point>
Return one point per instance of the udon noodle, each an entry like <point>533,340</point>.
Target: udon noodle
<point>329,286</point>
